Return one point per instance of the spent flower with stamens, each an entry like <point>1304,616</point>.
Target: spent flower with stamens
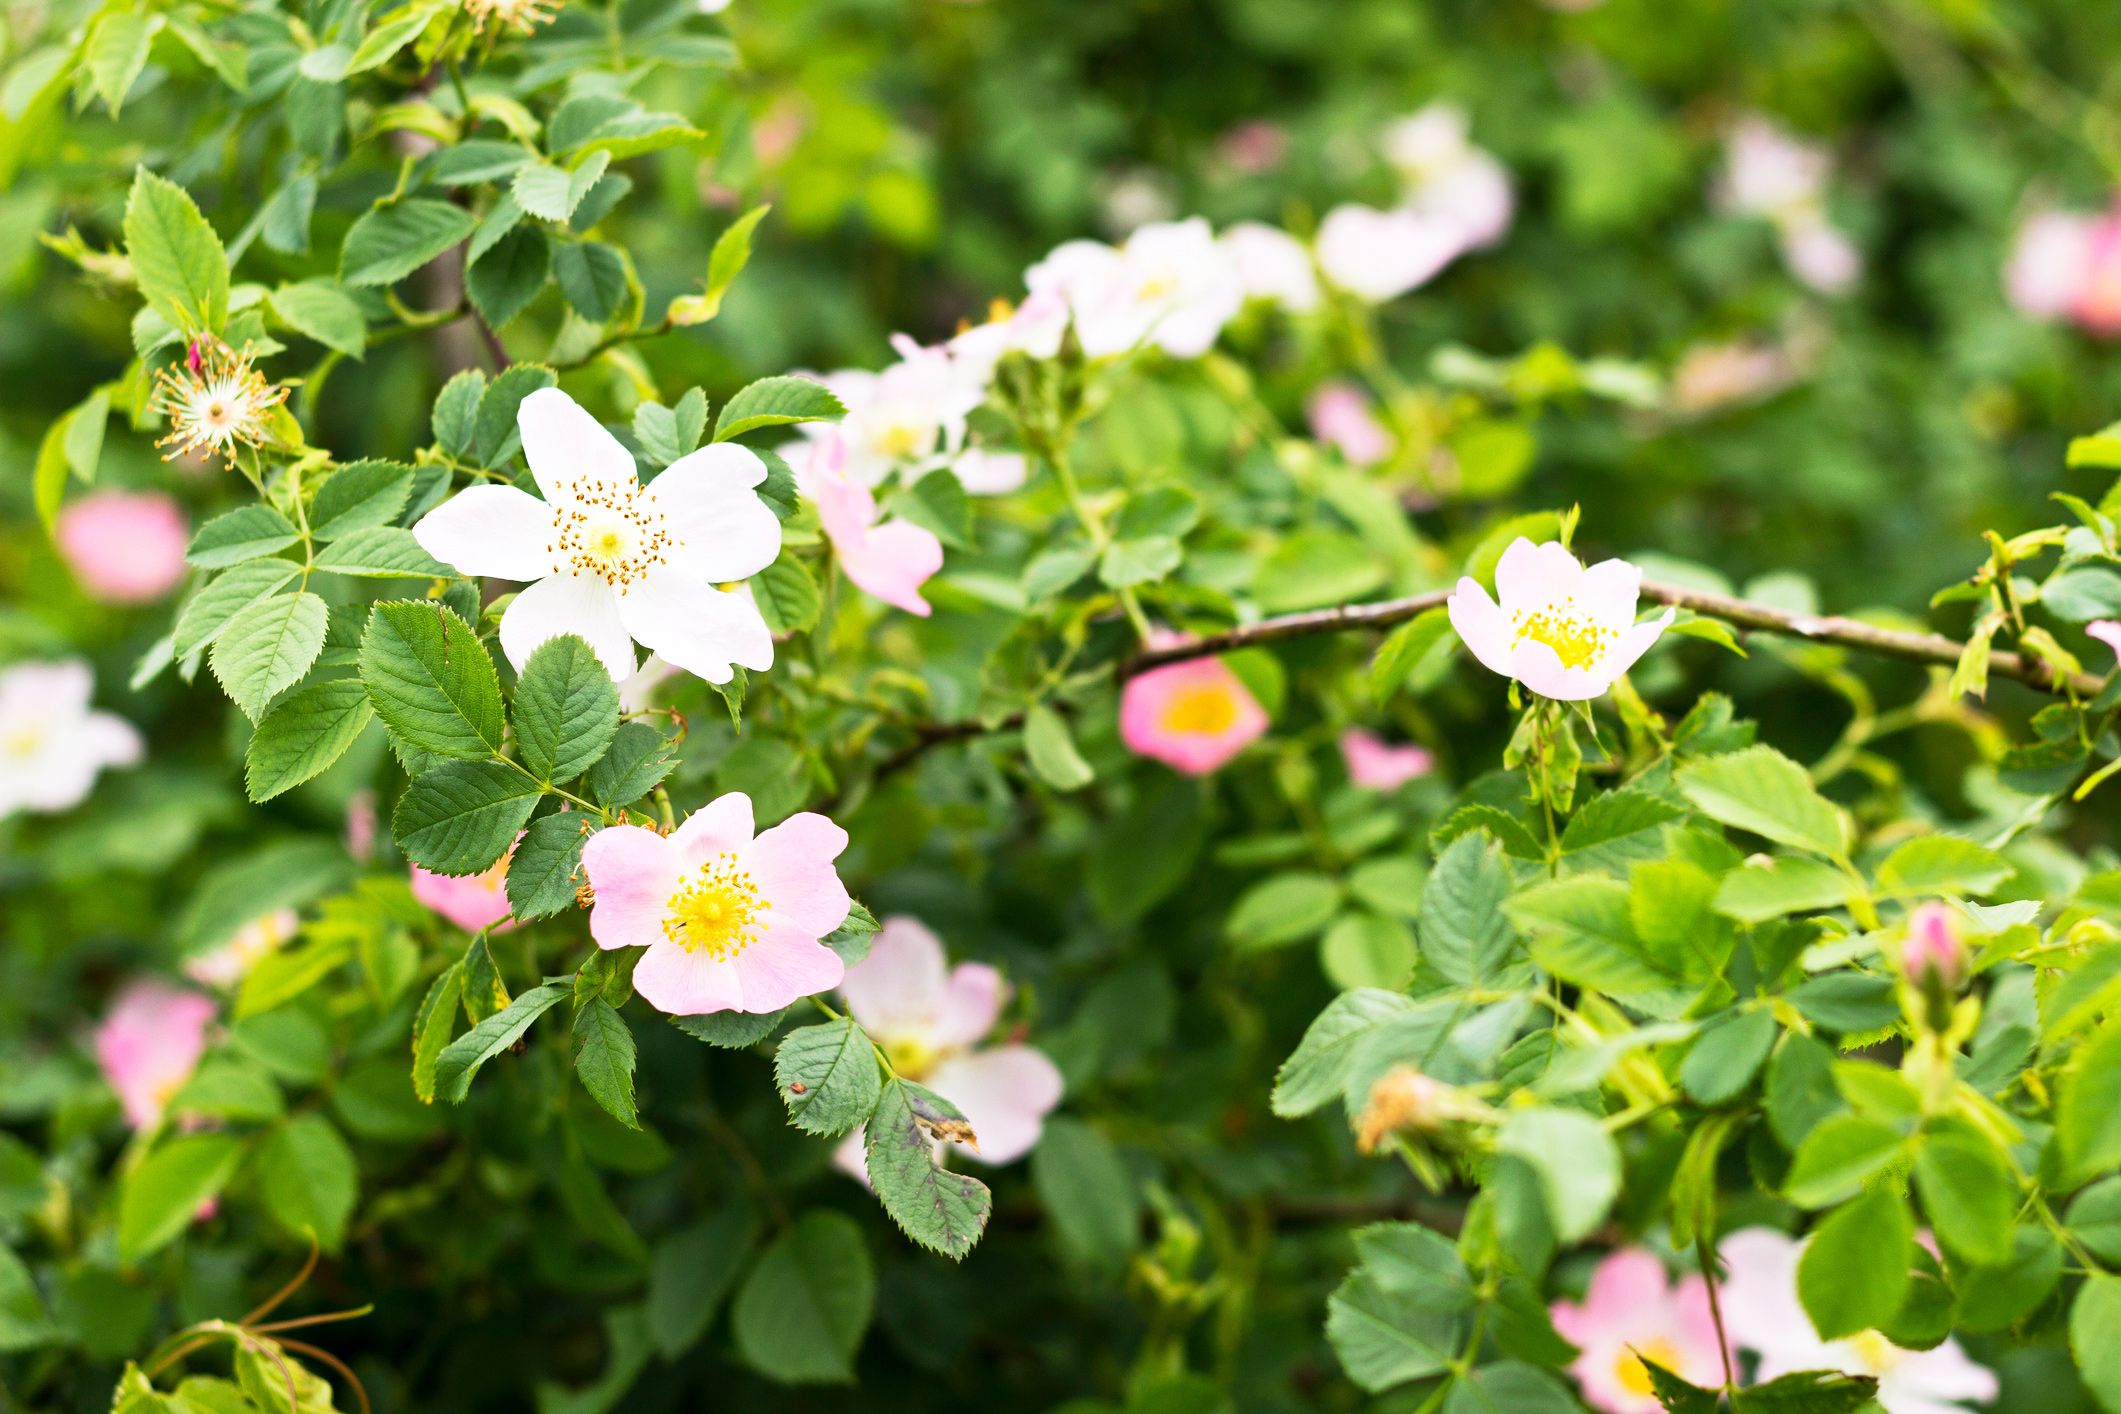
<point>217,402</point>
<point>1564,631</point>
<point>522,16</point>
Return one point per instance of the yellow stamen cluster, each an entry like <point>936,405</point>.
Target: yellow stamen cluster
<point>1633,1375</point>
<point>617,534</point>
<point>1877,1354</point>
<point>1575,639</point>
<point>911,1057</point>
<point>1206,710</point>
<point>215,401</point>
<point>716,912</point>
<point>900,440</point>
<point>522,16</point>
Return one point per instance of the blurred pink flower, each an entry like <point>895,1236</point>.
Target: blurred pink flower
<point>124,547</point>
<point>1713,376</point>
<point>472,901</point>
<point>731,921</point>
<point>1272,265</point>
<point>149,1044</point>
<point>1449,179</point>
<point>1253,147</point>
<point>891,560</point>
<point>1934,948</point>
<point>2064,265</point>
<point>2108,632</point>
<point>231,962</point>
<point>1629,1314</point>
<point>930,1019</point>
<point>1762,1313</point>
<point>1771,174</point>
<point>1193,716</point>
<point>1380,255</point>
<point>1342,414</point>
<point>361,825</point>
<point>1374,764</point>
<point>52,745</point>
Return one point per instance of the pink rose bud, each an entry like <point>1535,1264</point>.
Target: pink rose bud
<point>1934,956</point>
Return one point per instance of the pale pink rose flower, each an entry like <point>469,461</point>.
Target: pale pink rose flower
<point>361,825</point>
<point>908,419</point>
<point>1253,147</point>
<point>1447,177</point>
<point>1771,174</point>
<point>639,692</point>
<point>1713,376</point>
<point>1564,631</point>
<point>891,560</point>
<point>1631,1312</point>
<point>930,1018</point>
<point>1934,948</point>
<point>223,967</point>
<point>2108,632</point>
<point>1340,413</point>
<point>148,1045</point>
<point>1170,284</point>
<point>1380,255</point>
<point>1820,255</point>
<point>1374,764</point>
<point>52,744</point>
<point>471,901</point>
<point>2098,306</point>
<point>732,921</point>
<point>987,471</point>
<point>1272,265</point>
<point>2050,263</point>
<point>1762,1313</point>
<point>1193,716</point>
<point>123,547</point>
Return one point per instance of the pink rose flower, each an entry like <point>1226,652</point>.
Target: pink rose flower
<point>230,963</point>
<point>471,902</point>
<point>149,1044</point>
<point>361,825</point>
<point>1630,1313</point>
<point>731,922</point>
<point>124,547</point>
<point>930,1018</point>
<point>1254,146</point>
<point>1341,414</point>
<point>1192,716</point>
<point>2108,632</point>
<point>890,560</point>
<point>1374,764</point>
<point>1933,949</point>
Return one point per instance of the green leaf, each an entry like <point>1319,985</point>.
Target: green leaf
<point>776,402</point>
<point>566,709</point>
<point>1087,1193</point>
<point>552,193</point>
<point>2088,1117</point>
<point>456,410</point>
<point>1763,791</point>
<point>431,681</point>
<point>1364,949</point>
<point>800,1314</point>
<point>309,1179</point>
<point>828,1077</point>
<point>693,1271</point>
<point>497,437</point>
<point>1127,563</point>
<point>1774,887</point>
<point>389,242</point>
<point>546,869</point>
<point>1727,1055</point>
<point>208,613</point>
<point>1838,1157</point>
<point>1968,1192</point>
<point>942,1211</point>
<point>1465,936</point>
<point>639,758</point>
<point>393,32</point>
<point>117,51</point>
<point>1387,1337</point>
<point>506,276</point>
<point>1317,1070</point>
<point>159,1199</point>
<point>1575,1160</point>
<point>1424,639</point>
<point>1583,932</point>
<point>1941,864</point>
<point>731,1030</point>
<point>267,648</point>
<point>324,312</point>
<point>603,1057</point>
<point>1847,1001</point>
<point>1808,1392</point>
<point>177,259</point>
<point>666,434</point>
<point>383,552</point>
<point>460,1060</point>
<point>1051,750</point>
<point>1282,908</point>
<point>461,816</point>
<point>938,503</point>
<point>359,496</point>
<point>2095,1338</point>
<point>1615,815</point>
<point>593,278</point>
<point>431,1028</point>
<point>787,596</point>
<point>1854,1272</point>
<point>732,251</point>
<point>303,735</point>
<point>1800,1089</point>
<point>2095,1217</point>
<point>247,533</point>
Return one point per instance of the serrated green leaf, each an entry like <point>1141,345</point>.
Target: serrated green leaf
<point>266,648</point>
<point>827,1076</point>
<point>776,402</point>
<point>942,1211</point>
<point>546,871</point>
<point>603,1057</point>
<point>177,259</point>
<point>389,242</point>
<point>460,1060</point>
<point>431,680</point>
<point>566,709</point>
<point>246,533</point>
<point>303,735</point>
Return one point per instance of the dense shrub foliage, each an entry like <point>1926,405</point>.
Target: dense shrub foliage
<point>1187,707</point>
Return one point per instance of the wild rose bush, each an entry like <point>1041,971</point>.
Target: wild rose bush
<point>1468,765</point>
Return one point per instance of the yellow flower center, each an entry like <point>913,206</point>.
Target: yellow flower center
<point>716,912</point>
<point>1875,1352</point>
<point>1633,1375</point>
<point>898,440</point>
<point>911,1057</point>
<point>1575,639</point>
<point>1159,286</point>
<point>1205,711</point>
<point>618,535</point>
<point>24,741</point>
